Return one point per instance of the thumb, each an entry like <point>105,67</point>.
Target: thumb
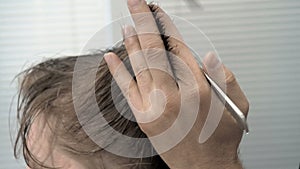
<point>226,81</point>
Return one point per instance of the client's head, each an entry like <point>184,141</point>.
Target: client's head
<point>51,135</point>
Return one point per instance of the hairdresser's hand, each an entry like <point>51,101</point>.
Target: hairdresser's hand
<point>171,98</point>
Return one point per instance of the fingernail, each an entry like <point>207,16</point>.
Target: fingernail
<point>133,3</point>
<point>107,58</point>
<point>211,61</point>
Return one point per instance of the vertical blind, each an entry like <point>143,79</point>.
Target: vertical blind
<point>258,39</point>
<point>31,31</point>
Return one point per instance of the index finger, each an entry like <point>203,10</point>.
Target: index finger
<point>177,46</point>
<point>149,38</point>
<point>146,28</point>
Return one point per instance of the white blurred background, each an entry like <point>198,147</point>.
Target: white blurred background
<point>258,39</point>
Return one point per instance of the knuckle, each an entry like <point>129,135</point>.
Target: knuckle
<point>143,78</point>
<point>175,49</point>
<point>140,18</point>
<point>154,56</point>
<point>129,41</point>
<point>132,46</point>
<point>129,89</point>
<point>230,78</point>
<point>152,42</point>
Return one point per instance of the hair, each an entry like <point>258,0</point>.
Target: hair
<point>46,93</point>
<point>45,96</point>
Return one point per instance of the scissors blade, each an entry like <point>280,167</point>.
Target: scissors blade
<point>230,105</point>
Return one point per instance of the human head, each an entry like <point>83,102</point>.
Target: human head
<point>50,133</point>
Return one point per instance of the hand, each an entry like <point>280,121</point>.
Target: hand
<point>171,98</point>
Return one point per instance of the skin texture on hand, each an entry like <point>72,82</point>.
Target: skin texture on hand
<point>169,86</point>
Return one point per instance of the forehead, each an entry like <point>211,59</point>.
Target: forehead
<point>41,143</point>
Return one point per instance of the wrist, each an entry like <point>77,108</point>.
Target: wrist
<point>197,156</point>
<point>218,163</point>
<point>208,164</point>
<point>221,157</point>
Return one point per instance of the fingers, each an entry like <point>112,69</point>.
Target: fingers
<point>150,40</point>
<point>136,57</point>
<point>123,78</point>
<point>214,68</point>
<point>175,41</point>
<point>226,80</point>
<point>235,92</point>
<point>146,27</point>
<point>178,48</point>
